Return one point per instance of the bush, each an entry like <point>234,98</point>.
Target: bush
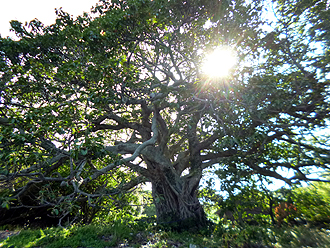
<point>313,203</point>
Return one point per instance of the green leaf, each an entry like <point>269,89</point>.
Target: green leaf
<point>55,211</point>
<point>83,152</point>
<point>5,205</point>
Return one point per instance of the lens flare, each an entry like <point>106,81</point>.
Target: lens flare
<point>219,62</point>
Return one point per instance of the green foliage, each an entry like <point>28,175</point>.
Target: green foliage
<point>136,234</point>
<point>59,237</point>
<point>302,236</point>
<point>313,203</point>
<point>231,235</point>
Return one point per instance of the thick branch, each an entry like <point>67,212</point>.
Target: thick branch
<point>206,143</point>
<point>136,153</point>
<point>4,121</point>
<point>164,137</point>
<point>121,123</point>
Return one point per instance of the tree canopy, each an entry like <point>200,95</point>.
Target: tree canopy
<point>92,107</point>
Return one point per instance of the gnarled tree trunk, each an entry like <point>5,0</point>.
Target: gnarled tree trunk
<point>175,194</point>
<point>176,201</point>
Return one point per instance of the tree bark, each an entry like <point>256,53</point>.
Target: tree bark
<point>176,202</point>
<point>174,194</point>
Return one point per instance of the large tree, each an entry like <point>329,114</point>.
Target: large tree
<point>94,106</point>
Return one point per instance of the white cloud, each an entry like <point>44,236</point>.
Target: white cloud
<point>44,10</point>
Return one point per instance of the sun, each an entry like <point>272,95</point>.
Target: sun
<point>218,63</point>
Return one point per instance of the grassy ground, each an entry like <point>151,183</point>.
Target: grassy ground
<point>144,234</point>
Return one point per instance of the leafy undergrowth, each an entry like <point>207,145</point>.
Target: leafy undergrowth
<point>147,234</point>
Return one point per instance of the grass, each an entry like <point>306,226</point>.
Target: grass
<point>143,234</point>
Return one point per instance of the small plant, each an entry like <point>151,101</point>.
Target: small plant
<point>302,236</point>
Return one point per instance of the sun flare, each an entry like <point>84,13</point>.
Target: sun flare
<point>219,62</point>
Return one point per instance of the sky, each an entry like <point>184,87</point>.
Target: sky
<point>43,10</point>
